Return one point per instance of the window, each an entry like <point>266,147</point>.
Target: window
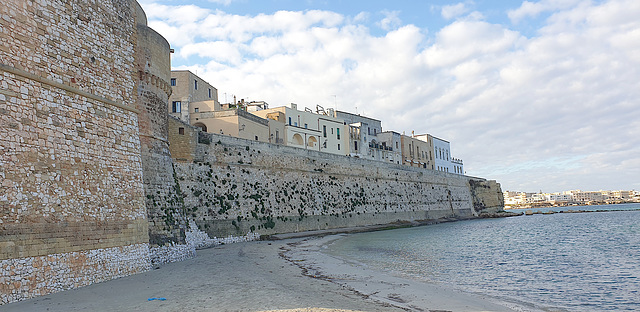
<point>338,133</point>
<point>173,82</point>
<point>196,110</point>
<point>355,145</point>
<point>306,126</point>
<point>396,145</point>
<point>195,84</point>
<point>209,93</point>
<point>256,138</point>
<point>181,130</point>
<point>331,130</point>
<point>338,146</point>
<point>374,131</point>
<point>324,131</point>
<point>175,106</point>
<point>289,121</point>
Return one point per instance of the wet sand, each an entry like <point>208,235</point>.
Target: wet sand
<point>285,275</point>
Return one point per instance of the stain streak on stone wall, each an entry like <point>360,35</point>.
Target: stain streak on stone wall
<point>233,186</point>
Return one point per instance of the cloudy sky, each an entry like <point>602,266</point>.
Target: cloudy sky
<point>539,95</point>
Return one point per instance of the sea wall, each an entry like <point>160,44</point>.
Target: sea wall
<point>234,186</point>
<point>165,210</point>
<point>72,209</point>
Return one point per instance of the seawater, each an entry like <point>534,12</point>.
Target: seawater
<point>558,262</point>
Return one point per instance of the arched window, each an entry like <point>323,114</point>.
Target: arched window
<point>297,139</point>
<point>201,126</point>
<point>312,141</point>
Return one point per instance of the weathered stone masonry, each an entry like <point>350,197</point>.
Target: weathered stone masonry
<point>71,194</point>
<point>233,186</point>
<point>165,211</point>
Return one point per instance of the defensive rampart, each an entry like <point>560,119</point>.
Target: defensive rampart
<point>72,209</point>
<point>234,186</point>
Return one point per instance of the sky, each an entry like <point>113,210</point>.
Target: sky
<point>538,95</point>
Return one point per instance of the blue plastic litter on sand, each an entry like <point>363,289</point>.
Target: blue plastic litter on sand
<point>161,299</point>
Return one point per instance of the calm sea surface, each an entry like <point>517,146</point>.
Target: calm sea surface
<point>559,262</point>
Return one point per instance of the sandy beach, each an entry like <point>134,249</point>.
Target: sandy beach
<point>282,275</point>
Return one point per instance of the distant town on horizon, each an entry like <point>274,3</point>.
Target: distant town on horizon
<point>516,199</point>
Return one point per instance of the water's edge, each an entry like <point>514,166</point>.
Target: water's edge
<point>385,288</point>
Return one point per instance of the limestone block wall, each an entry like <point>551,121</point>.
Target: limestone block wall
<point>167,223</point>
<point>183,138</point>
<point>486,195</point>
<point>234,186</point>
<point>72,208</point>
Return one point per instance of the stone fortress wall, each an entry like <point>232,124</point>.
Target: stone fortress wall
<point>72,199</point>
<point>165,210</point>
<point>96,183</point>
<point>233,186</point>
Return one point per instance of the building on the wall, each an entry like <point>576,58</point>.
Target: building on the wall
<point>442,155</point>
<point>191,94</point>
<point>195,101</point>
<point>234,122</point>
<point>255,106</point>
<point>458,165</point>
<point>416,152</point>
<point>306,129</point>
<point>363,131</point>
<point>390,143</point>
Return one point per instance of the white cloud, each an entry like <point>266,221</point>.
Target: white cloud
<point>454,10</point>
<point>223,2</point>
<point>220,51</point>
<point>533,9</point>
<point>558,110</point>
<point>390,20</point>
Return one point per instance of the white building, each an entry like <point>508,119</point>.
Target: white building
<point>309,130</point>
<point>390,143</point>
<point>442,155</point>
<point>363,131</point>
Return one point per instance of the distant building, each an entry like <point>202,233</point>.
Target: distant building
<point>309,130</point>
<point>442,155</point>
<point>233,122</point>
<point>416,152</point>
<point>190,94</point>
<point>363,133</point>
<point>579,196</point>
<point>391,143</point>
<point>195,101</point>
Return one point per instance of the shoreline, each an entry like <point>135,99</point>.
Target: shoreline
<point>383,287</point>
<point>281,275</point>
